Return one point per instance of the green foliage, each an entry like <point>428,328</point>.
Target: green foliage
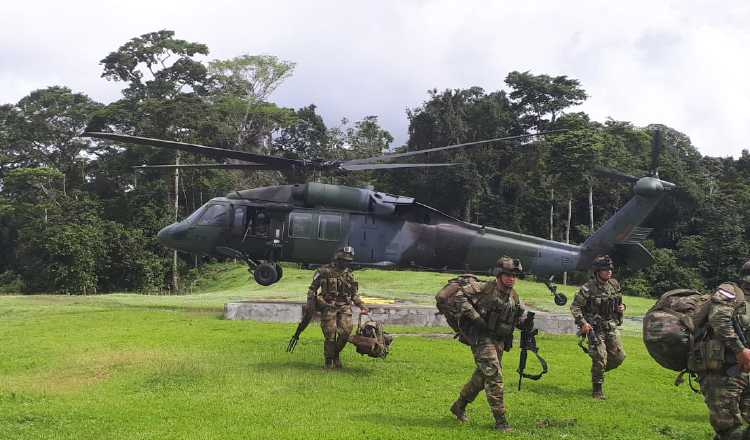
<point>58,187</point>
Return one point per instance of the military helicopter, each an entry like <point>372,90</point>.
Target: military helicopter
<point>306,223</point>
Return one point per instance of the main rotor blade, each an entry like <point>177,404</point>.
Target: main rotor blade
<point>386,166</point>
<point>202,150</point>
<point>209,166</point>
<point>615,174</point>
<point>448,147</point>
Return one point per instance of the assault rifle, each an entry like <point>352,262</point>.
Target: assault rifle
<point>734,370</point>
<point>591,336</point>
<point>308,310</point>
<point>528,343</point>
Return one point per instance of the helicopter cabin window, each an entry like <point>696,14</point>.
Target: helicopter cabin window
<point>258,222</point>
<point>329,227</point>
<point>301,225</point>
<point>214,215</point>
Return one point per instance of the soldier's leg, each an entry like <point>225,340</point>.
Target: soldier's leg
<point>615,351</point>
<point>467,395</point>
<point>489,362</point>
<point>723,395</point>
<point>598,353</point>
<point>343,332</point>
<point>328,325</point>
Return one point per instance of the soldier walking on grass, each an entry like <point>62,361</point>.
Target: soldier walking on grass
<point>491,311</point>
<point>598,310</point>
<point>725,383</point>
<point>333,290</point>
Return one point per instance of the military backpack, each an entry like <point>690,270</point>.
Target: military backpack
<point>446,304</point>
<point>371,339</point>
<point>671,327</point>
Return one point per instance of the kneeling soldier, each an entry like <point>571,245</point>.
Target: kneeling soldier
<point>333,290</point>
<point>492,310</point>
<point>597,309</point>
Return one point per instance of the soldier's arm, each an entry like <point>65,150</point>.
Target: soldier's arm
<point>518,309</point>
<point>464,307</point>
<point>579,302</point>
<point>723,304</point>
<point>312,291</point>
<point>356,299</point>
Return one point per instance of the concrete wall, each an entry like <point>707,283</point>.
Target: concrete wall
<point>391,314</point>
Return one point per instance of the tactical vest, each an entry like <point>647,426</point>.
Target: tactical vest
<point>498,310</point>
<point>337,286</point>
<point>603,305</point>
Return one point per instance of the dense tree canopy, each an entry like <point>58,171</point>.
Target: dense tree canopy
<point>76,218</point>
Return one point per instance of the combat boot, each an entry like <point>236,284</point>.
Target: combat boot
<point>598,391</point>
<point>329,364</point>
<point>337,363</point>
<point>501,423</point>
<point>459,410</point>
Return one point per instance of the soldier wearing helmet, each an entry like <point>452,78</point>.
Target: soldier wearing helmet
<point>725,389</point>
<point>333,290</point>
<point>492,310</point>
<point>598,309</point>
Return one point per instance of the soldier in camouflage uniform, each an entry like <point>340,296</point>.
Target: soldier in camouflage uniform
<point>726,390</point>
<point>491,310</point>
<point>598,307</point>
<point>333,290</point>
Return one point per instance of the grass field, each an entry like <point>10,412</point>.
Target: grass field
<point>141,367</point>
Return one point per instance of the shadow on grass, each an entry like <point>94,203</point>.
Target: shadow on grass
<point>548,389</point>
<point>409,421</point>
<point>308,367</point>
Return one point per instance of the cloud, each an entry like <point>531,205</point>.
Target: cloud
<point>677,63</point>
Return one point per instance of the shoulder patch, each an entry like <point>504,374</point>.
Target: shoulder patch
<point>723,294</point>
<point>585,288</point>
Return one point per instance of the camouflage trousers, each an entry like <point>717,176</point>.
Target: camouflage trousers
<point>607,354</point>
<point>488,376</point>
<point>336,323</point>
<point>728,401</point>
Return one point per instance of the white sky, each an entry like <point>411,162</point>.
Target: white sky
<point>680,63</point>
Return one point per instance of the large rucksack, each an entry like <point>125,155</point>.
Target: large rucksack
<point>671,325</point>
<point>371,339</point>
<point>446,305</point>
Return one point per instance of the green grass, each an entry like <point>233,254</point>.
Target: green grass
<point>227,281</point>
<point>98,368</point>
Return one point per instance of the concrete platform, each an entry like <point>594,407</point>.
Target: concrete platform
<point>389,314</point>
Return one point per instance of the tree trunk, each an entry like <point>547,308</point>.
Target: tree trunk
<point>467,210</point>
<point>175,276</point>
<point>552,215</point>
<point>591,206</point>
<point>567,232</point>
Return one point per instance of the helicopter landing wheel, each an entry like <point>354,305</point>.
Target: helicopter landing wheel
<point>265,274</point>
<point>279,271</point>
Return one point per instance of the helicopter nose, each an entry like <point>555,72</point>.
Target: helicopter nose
<point>166,237</point>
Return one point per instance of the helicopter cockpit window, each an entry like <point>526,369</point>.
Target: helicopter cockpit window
<point>214,215</point>
<point>301,225</point>
<point>329,227</point>
<point>238,226</point>
<point>194,216</point>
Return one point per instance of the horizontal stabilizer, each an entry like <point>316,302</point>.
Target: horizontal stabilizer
<point>634,255</point>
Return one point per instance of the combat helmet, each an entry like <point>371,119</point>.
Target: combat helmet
<point>745,273</point>
<point>345,253</point>
<point>602,262</point>
<point>508,266</point>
